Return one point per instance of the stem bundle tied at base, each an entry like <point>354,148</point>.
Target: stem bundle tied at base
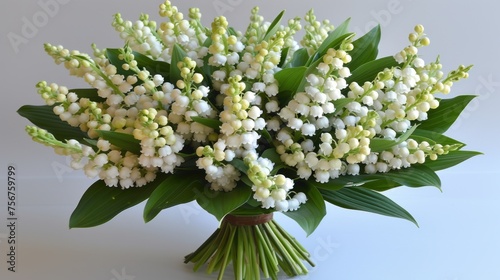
<point>256,245</point>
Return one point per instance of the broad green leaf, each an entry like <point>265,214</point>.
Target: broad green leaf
<point>449,160</point>
<point>101,203</point>
<point>310,214</point>
<point>365,48</point>
<point>313,68</point>
<point>90,93</point>
<point>380,185</point>
<point>299,58</point>
<point>363,180</point>
<point>92,143</point>
<point>273,156</point>
<point>434,137</point>
<point>341,103</point>
<point>369,71</point>
<point>415,176</point>
<point>239,164</point>
<point>283,56</point>
<point>232,31</point>
<point>44,117</point>
<point>441,118</point>
<point>207,69</point>
<point>154,67</point>
<point>220,203</point>
<point>212,123</point>
<point>335,184</point>
<point>266,135</point>
<point>333,39</point>
<point>178,188</point>
<point>289,79</point>
<point>358,198</point>
<point>315,57</point>
<point>244,178</point>
<point>126,142</point>
<point>178,54</point>
<point>379,144</point>
<point>113,56</point>
<point>273,27</point>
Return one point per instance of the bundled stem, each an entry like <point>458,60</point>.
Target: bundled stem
<point>256,245</point>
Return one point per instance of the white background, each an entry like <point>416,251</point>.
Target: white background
<point>459,234</point>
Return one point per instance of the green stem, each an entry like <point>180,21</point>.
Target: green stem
<point>295,262</point>
<point>210,250</point>
<point>227,252</point>
<point>218,255</point>
<point>190,257</point>
<point>254,257</point>
<point>239,257</point>
<point>286,258</point>
<point>298,247</point>
<point>267,246</point>
<point>255,247</point>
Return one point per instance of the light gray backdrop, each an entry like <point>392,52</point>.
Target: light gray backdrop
<point>459,234</point>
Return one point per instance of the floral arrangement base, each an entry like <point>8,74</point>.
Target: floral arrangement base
<point>256,245</point>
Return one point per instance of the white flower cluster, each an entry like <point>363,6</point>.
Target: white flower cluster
<point>273,191</point>
<point>221,102</point>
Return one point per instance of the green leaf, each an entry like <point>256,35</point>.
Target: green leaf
<point>101,203</point>
<point>313,68</point>
<point>334,38</point>
<point>266,135</point>
<point>273,27</point>
<point>283,56</point>
<point>415,176</point>
<point>178,54</point>
<point>310,214</point>
<point>365,48</point>
<point>335,184</point>
<point>44,117</point>
<point>273,156</point>
<point>113,56</point>
<point>154,67</point>
<point>289,79</point>
<point>434,137</point>
<point>378,144</point>
<point>380,185</point>
<point>239,164</point>
<point>232,31</point>
<point>212,123</point>
<point>299,58</point>
<point>244,178</point>
<point>363,180</point>
<point>124,141</point>
<point>369,71</point>
<point>220,203</point>
<point>178,188</point>
<point>92,143</point>
<point>449,160</point>
<point>358,198</point>
<point>315,57</point>
<point>341,103</point>
<point>441,118</point>
<point>90,93</point>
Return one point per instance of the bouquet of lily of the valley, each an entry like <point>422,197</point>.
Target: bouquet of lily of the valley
<point>249,123</point>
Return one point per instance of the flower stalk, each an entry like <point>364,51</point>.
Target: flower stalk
<point>256,245</point>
